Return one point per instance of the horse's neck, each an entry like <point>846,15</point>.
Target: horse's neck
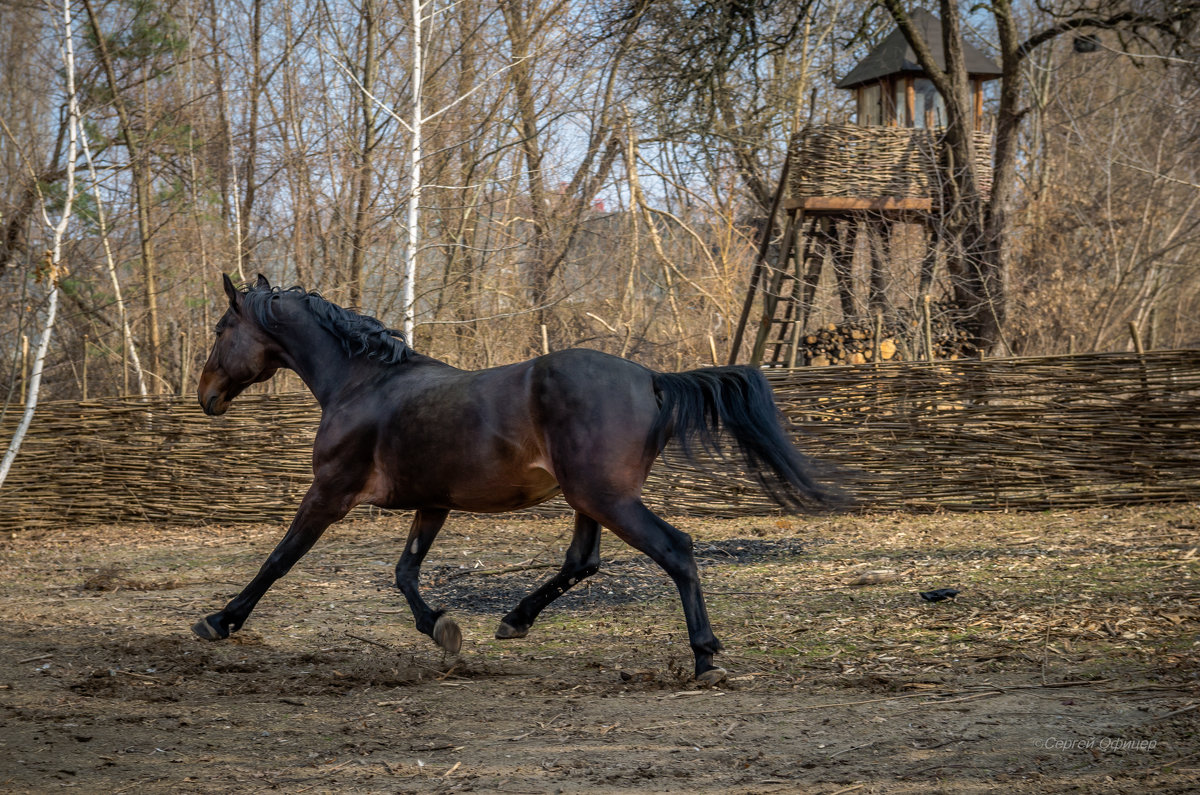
<point>320,359</point>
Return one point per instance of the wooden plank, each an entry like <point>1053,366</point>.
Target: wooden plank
<point>978,104</point>
<point>764,245</point>
<point>910,101</point>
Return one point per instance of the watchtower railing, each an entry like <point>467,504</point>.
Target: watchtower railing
<point>846,161</point>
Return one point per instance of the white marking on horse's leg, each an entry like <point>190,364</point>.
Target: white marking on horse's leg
<point>416,546</point>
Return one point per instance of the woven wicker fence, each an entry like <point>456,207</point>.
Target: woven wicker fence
<point>853,161</point>
<point>1057,432</point>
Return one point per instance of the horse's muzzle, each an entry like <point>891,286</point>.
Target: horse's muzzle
<point>213,407</point>
<point>211,393</point>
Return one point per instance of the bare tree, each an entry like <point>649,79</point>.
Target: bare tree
<point>730,82</point>
<point>978,226</point>
<point>139,164</point>
<point>1114,236</point>
<point>128,346</point>
<point>556,215</point>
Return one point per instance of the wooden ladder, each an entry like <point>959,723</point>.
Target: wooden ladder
<point>787,273</point>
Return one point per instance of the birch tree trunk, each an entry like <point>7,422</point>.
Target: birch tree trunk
<point>413,237</point>
<point>54,256</point>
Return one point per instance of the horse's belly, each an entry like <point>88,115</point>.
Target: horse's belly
<point>488,495</point>
<point>477,492</point>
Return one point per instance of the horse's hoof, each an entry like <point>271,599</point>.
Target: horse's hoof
<point>447,634</point>
<point>713,676</point>
<point>507,631</point>
<point>204,629</point>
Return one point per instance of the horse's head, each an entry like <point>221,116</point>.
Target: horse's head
<point>243,354</point>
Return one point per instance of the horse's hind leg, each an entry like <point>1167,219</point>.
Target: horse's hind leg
<point>638,526</point>
<point>433,623</point>
<point>583,560</point>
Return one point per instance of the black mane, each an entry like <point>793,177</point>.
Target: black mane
<point>360,334</point>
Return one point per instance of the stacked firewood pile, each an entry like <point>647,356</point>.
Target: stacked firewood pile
<point>953,344</point>
<point>902,338</point>
<point>850,344</point>
<point>950,339</point>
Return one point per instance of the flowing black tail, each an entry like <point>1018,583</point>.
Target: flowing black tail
<point>699,404</point>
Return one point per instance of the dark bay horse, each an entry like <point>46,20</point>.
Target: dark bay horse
<point>405,431</point>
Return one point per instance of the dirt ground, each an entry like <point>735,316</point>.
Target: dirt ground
<point>1068,663</point>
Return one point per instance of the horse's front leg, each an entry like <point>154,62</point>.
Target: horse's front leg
<point>434,623</point>
<point>317,511</point>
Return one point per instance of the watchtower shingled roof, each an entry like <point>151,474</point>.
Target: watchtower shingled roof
<point>894,56</point>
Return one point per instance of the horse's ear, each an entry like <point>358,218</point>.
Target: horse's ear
<point>231,291</point>
<point>262,283</point>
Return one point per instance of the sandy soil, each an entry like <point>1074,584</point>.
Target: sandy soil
<point>1068,663</point>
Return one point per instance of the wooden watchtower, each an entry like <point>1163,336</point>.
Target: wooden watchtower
<point>840,181</point>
